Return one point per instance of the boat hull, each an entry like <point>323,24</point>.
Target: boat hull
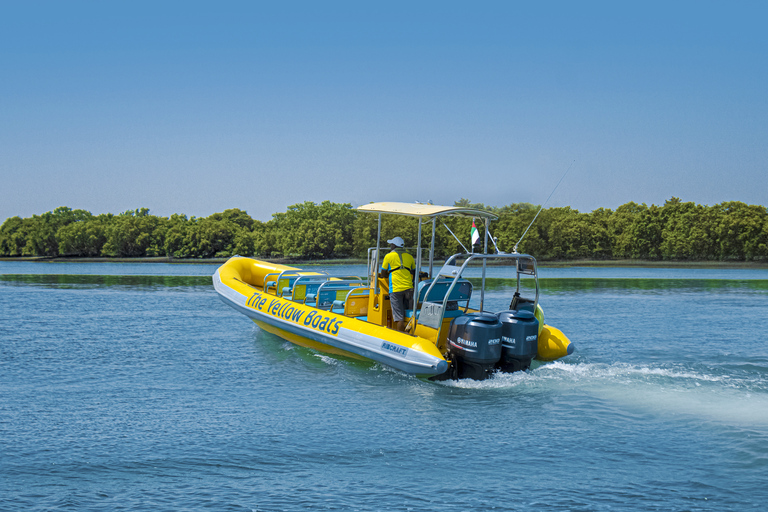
<point>325,330</point>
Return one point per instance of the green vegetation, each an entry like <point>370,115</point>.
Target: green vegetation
<point>676,231</point>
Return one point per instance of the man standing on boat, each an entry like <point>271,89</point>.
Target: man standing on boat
<point>401,268</point>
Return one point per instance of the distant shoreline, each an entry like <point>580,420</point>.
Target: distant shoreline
<point>358,261</point>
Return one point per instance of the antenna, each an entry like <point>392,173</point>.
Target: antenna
<point>514,250</point>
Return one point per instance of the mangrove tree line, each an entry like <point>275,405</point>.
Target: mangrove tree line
<point>685,231</point>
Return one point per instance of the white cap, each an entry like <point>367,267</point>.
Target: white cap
<point>397,241</point>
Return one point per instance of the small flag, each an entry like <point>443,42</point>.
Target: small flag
<point>475,234</point>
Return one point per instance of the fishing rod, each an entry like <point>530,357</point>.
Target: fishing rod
<point>514,250</point>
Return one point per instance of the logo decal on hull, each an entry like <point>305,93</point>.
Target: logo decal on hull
<point>397,349</point>
<point>287,311</point>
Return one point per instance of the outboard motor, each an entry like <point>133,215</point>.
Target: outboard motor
<point>519,339</point>
<point>474,343</point>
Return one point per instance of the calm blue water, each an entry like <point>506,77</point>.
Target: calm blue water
<point>133,387</point>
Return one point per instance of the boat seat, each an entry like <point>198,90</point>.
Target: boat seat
<point>284,282</point>
<point>332,295</point>
<point>270,281</point>
<point>306,288</point>
<point>462,292</point>
<point>309,292</point>
<point>338,307</point>
<point>453,311</point>
<point>356,302</point>
<point>306,291</point>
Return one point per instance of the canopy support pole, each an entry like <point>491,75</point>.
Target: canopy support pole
<point>376,265</point>
<point>432,248</point>
<point>485,251</point>
<point>418,262</point>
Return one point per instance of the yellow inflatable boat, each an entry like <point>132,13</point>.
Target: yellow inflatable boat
<point>449,334</point>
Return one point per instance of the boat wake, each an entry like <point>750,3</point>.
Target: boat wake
<point>330,361</point>
<point>707,394</point>
<point>736,396</point>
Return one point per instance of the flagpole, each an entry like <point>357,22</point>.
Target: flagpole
<point>473,235</point>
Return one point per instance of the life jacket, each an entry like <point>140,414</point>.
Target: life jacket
<point>399,282</point>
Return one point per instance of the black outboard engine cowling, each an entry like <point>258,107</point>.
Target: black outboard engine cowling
<point>519,340</point>
<point>474,343</point>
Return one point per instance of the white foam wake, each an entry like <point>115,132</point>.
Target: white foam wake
<point>667,391</point>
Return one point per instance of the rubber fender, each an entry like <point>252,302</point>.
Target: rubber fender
<point>553,344</point>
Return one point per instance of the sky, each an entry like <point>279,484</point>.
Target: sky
<point>196,107</point>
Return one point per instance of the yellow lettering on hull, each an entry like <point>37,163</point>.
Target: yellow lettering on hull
<point>296,313</point>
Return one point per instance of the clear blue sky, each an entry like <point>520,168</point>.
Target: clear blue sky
<point>196,107</point>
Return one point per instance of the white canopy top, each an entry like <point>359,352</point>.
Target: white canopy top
<point>425,210</point>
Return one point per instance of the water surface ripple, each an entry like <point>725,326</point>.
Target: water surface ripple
<point>130,391</point>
